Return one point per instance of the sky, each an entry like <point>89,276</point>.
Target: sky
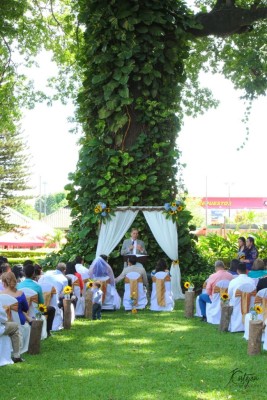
<point>209,144</point>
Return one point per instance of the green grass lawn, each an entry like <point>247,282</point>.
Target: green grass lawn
<point>147,356</point>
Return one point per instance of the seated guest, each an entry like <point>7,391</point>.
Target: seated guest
<point>132,267</point>
<point>219,275</point>
<point>12,330</point>
<point>70,270</point>
<point>239,280</point>
<point>18,272</point>
<point>100,269</point>
<point>30,283</point>
<point>262,283</point>
<point>9,282</point>
<point>161,267</point>
<point>233,267</point>
<point>4,267</point>
<point>258,269</point>
<point>38,272</point>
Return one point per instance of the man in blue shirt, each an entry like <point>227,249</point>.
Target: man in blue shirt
<point>28,268</point>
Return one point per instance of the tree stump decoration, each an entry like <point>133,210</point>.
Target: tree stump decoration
<point>88,304</point>
<point>189,304</point>
<point>254,340</point>
<point>67,313</point>
<point>35,337</point>
<point>225,317</point>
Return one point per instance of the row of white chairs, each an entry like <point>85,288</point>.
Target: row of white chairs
<point>245,298</point>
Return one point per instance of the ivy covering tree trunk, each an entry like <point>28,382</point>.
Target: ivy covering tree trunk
<point>134,66</point>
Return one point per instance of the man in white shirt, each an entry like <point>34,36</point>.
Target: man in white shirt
<point>239,280</point>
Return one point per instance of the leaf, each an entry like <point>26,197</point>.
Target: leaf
<point>124,92</point>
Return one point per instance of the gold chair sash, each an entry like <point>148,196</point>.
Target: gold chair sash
<point>160,289</point>
<point>53,290</point>
<point>104,289</point>
<point>204,285</point>
<point>47,298</point>
<point>76,283</point>
<point>134,288</point>
<point>8,309</point>
<point>32,299</point>
<point>220,290</point>
<point>245,301</point>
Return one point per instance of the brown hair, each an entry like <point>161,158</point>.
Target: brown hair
<point>9,280</point>
<point>97,284</point>
<point>258,265</point>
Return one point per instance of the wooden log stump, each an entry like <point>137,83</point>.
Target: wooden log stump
<point>189,304</point>
<point>225,317</point>
<point>35,337</point>
<point>67,313</point>
<point>254,340</point>
<point>88,304</point>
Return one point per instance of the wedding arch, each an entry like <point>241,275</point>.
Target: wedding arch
<point>164,231</point>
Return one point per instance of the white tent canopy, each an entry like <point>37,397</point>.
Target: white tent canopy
<point>163,229</point>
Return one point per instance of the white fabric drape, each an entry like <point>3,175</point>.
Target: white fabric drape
<point>113,231</point>
<point>165,233</point>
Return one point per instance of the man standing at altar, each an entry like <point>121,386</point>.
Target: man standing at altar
<point>133,245</point>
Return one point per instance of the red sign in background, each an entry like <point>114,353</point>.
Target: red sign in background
<point>234,202</point>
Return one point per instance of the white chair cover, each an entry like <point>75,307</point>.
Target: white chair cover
<point>58,319</point>
<point>142,298</point>
<point>213,310</point>
<point>25,329</point>
<point>112,300</point>
<point>47,289</point>
<point>80,304</point>
<point>5,350</point>
<point>236,321</point>
<point>169,302</point>
<point>261,293</point>
<point>32,299</point>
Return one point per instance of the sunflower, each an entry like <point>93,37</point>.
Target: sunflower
<point>225,296</point>
<point>173,204</point>
<point>67,290</point>
<point>134,311</point>
<point>89,284</point>
<point>179,208</point>
<point>42,308</point>
<point>98,209</point>
<point>187,285</point>
<point>258,309</point>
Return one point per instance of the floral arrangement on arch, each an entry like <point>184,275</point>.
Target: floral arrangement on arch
<point>103,211</point>
<point>173,209</point>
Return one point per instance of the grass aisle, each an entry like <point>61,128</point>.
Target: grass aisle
<point>147,356</point>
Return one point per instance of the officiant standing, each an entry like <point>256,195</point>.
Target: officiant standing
<point>133,245</point>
